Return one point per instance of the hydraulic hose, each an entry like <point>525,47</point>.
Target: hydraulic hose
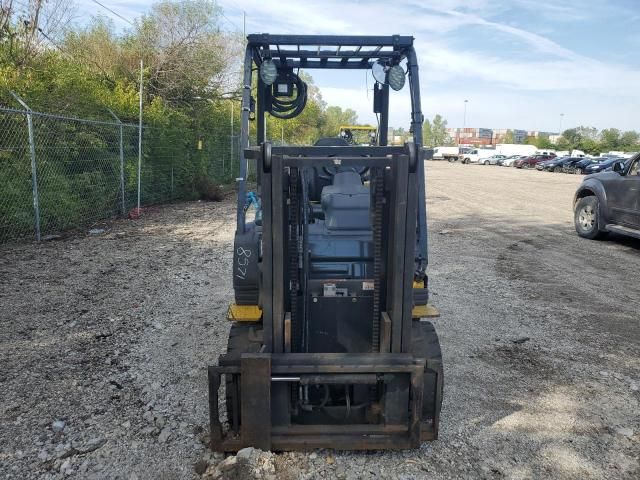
<point>290,107</point>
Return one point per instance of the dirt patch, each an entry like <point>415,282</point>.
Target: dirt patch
<point>105,341</point>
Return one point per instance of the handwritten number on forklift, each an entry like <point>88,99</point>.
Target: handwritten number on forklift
<point>243,255</point>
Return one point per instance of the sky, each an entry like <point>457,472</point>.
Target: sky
<point>519,63</point>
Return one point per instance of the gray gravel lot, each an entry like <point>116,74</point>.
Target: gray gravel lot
<point>105,340</point>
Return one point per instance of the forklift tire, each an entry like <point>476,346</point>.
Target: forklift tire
<point>242,339</point>
<point>425,344</point>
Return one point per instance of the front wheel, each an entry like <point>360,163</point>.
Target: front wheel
<point>486,162</point>
<point>526,165</point>
<point>557,169</point>
<point>578,171</point>
<point>586,217</point>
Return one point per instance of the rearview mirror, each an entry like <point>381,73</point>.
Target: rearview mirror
<point>618,167</point>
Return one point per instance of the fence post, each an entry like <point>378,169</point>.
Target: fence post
<point>34,173</point>
<point>124,208</point>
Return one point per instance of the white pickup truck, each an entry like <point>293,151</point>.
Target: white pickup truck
<point>476,154</point>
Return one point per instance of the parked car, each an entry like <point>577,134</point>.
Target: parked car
<point>579,167</point>
<point>510,161</point>
<point>567,165</point>
<point>600,166</point>
<point>533,160</point>
<point>492,160</point>
<point>609,201</point>
<point>550,164</point>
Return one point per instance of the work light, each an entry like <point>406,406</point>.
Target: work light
<point>395,77</point>
<point>268,71</point>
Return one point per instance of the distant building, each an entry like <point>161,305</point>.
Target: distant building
<point>471,136</point>
<point>519,136</point>
<point>489,136</point>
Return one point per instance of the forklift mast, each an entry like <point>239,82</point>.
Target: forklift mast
<point>327,350</point>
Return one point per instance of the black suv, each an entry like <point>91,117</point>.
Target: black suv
<point>609,201</point>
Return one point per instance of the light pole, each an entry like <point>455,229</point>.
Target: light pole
<point>464,119</point>
<point>560,131</point>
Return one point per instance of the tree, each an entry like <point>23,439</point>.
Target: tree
<point>629,141</point>
<point>334,117</point>
<point>509,137</point>
<point>589,146</point>
<point>562,144</point>
<point>544,143</point>
<point>572,137</point>
<point>434,134</point>
<point>185,52</point>
<point>610,139</point>
<point>588,132</point>
<point>427,134</point>
<point>29,27</point>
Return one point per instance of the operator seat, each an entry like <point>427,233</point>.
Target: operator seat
<point>321,178</point>
<point>346,203</point>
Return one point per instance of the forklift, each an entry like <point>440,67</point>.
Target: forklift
<point>329,345</point>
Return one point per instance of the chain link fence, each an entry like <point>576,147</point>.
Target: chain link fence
<point>59,173</point>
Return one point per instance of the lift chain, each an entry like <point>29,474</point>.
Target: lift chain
<point>378,199</point>
<point>294,280</point>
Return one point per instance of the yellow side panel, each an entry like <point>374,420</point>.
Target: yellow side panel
<point>244,313</point>
<point>424,311</point>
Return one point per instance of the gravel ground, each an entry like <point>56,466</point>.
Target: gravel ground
<point>105,340</point>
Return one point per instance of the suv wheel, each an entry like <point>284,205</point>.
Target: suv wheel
<point>586,218</point>
<point>578,171</point>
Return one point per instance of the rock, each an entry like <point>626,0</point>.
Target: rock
<point>48,238</point>
<point>148,416</point>
<point>521,340</point>
<point>96,231</point>
<point>330,460</point>
<point>624,431</point>
<point>160,422</point>
<point>93,444</point>
<point>84,467</point>
<point>126,425</point>
<point>43,455</point>
<point>313,456</point>
<point>228,464</point>
<point>66,467</point>
<point>58,426</point>
<point>201,466</point>
<point>164,435</point>
<point>244,455</point>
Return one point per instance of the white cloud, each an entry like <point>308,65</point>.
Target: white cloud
<point>458,60</point>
